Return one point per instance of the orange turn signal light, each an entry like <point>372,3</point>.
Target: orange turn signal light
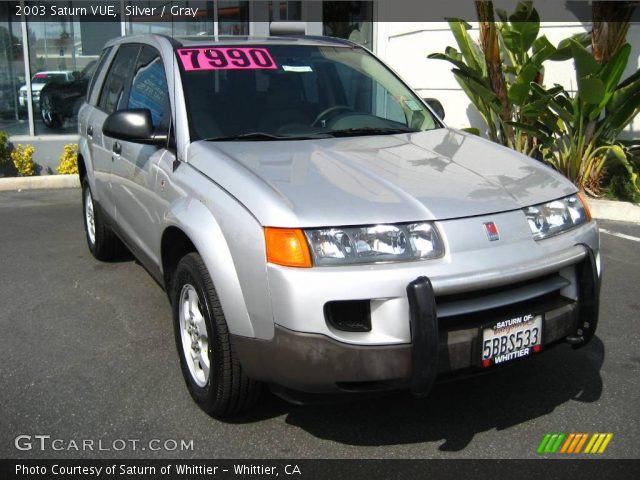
<point>287,247</point>
<point>585,204</point>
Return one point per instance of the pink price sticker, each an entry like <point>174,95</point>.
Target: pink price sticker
<point>207,58</point>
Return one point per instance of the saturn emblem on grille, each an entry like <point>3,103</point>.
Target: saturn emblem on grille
<point>492,231</point>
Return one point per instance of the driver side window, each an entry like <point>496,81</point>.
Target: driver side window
<point>149,87</point>
<point>116,81</point>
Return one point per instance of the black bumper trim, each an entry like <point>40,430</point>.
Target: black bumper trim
<point>588,284</point>
<point>424,335</point>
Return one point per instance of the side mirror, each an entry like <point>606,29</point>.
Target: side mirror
<point>436,106</point>
<point>133,125</point>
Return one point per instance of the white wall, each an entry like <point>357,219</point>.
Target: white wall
<point>405,47</point>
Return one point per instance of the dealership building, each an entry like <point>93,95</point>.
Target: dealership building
<point>35,48</point>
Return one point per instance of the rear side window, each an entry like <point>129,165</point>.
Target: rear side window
<point>149,86</point>
<point>113,90</point>
<point>96,72</point>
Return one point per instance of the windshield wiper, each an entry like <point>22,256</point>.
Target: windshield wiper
<point>262,136</point>
<point>352,132</point>
<point>347,132</point>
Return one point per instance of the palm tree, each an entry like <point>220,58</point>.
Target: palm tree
<point>610,27</point>
<point>490,45</point>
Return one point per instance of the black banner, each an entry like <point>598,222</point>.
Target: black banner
<point>163,11</point>
<point>582,469</point>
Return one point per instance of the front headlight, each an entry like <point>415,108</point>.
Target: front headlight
<point>552,218</point>
<point>374,244</point>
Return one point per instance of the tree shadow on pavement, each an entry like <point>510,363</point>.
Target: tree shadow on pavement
<point>454,411</point>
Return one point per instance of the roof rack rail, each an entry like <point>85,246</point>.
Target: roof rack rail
<point>326,38</point>
<point>277,29</point>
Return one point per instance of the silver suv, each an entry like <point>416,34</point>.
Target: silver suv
<point>317,227</point>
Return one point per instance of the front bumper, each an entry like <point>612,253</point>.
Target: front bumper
<point>22,100</point>
<point>316,363</point>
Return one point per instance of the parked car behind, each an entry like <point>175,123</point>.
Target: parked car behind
<point>60,99</point>
<point>38,81</point>
<point>317,227</point>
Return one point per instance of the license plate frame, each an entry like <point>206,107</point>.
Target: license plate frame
<point>492,354</point>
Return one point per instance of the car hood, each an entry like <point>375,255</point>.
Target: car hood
<point>35,87</point>
<point>433,175</point>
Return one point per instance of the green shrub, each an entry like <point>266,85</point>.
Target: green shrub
<point>5,159</point>
<point>620,186</point>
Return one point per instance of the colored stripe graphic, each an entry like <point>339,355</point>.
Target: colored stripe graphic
<point>543,443</point>
<point>598,443</point>
<point>605,443</point>
<point>577,438</point>
<point>573,443</point>
<point>551,442</point>
<point>567,443</point>
<point>556,445</point>
<point>581,443</point>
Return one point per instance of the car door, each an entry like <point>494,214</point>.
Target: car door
<point>86,114</point>
<point>135,166</point>
<point>112,95</point>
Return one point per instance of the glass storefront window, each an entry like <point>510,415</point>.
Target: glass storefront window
<point>359,24</point>
<point>201,25</point>
<point>233,18</point>
<point>285,10</point>
<point>62,52</point>
<point>13,119</point>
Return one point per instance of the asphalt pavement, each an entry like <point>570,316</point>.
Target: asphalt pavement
<point>87,355</point>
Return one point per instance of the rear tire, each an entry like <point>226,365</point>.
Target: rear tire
<point>210,366</point>
<point>49,113</point>
<point>102,242</point>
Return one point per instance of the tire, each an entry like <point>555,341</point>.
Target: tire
<point>209,364</point>
<point>102,242</point>
<point>49,113</point>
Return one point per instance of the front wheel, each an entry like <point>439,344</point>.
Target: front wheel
<point>210,366</point>
<point>49,113</point>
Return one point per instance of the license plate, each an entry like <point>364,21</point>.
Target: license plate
<point>510,339</point>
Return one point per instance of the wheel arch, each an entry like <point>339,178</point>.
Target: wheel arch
<point>82,167</point>
<point>191,227</point>
<point>174,245</point>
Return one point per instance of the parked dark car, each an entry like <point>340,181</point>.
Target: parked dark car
<point>60,100</point>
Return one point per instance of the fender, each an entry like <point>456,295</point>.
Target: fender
<point>237,298</point>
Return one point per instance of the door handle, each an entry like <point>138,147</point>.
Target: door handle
<point>117,150</point>
<point>90,131</point>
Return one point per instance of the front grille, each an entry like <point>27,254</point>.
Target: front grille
<point>482,307</point>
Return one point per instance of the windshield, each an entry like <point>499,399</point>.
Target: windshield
<point>280,91</point>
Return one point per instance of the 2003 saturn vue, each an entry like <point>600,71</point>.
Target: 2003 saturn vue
<point>317,227</point>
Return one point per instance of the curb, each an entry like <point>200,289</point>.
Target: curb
<point>614,210</point>
<point>45,181</point>
<point>600,209</point>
